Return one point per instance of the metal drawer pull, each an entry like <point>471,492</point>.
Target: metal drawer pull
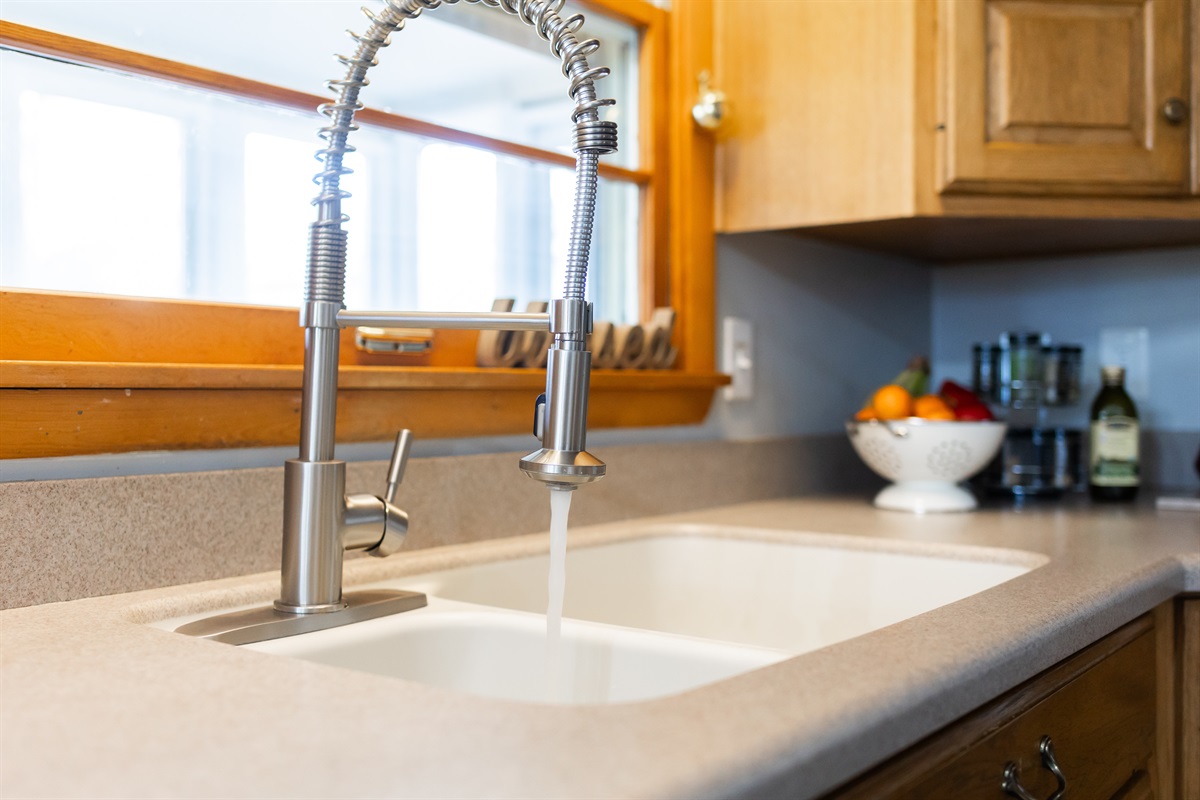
<point>1012,783</point>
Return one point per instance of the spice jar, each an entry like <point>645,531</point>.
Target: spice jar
<point>1061,366</point>
<point>1020,370</point>
<point>983,370</point>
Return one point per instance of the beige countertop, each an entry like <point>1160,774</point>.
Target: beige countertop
<point>96,703</point>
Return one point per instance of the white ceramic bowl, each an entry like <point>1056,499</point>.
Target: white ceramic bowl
<point>926,459</point>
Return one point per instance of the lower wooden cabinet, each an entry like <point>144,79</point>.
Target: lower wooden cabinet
<point>1120,720</point>
<point>1188,680</point>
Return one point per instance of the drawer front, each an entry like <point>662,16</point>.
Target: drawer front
<point>1102,729</point>
<point>1102,710</point>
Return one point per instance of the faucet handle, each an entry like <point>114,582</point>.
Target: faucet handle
<point>399,462</point>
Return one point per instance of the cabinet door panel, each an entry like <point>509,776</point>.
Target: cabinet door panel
<point>1064,96</point>
<point>1102,726</point>
<point>1107,709</point>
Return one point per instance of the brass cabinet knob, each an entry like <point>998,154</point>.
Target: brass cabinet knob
<point>709,109</point>
<point>1175,111</point>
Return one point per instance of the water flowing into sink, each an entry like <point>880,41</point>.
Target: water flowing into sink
<point>560,508</point>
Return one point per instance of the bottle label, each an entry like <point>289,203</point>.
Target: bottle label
<point>1114,446</point>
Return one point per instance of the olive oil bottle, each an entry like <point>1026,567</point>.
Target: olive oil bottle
<point>1115,464</point>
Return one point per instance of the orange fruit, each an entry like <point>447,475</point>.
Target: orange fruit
<point>892,402</point>
<point>931,406</point>
<point>866,413</point>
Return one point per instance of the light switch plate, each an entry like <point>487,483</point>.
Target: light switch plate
<point>737,357</point>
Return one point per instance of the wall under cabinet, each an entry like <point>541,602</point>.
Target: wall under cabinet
<point>1074,299</point>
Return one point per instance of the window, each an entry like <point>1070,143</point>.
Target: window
<point>190,180</point>
<point>489,76</point>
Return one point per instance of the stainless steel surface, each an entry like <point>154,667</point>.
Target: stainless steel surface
<point>459,320</point>
<point>314,494</point>
<point>1046,748</point>
<point>399,463</point>
<point>1175,111</point>
<point>563,469</point>
<point>1011,780</point>
<point>563,459</point>
<point>1036,462</point>
<point>320,522</point>
<point>261,624</point>
<point>319,394</point>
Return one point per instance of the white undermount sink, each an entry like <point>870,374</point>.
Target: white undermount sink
<point>673,609</point>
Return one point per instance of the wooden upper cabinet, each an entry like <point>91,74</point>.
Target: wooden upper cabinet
<point>1048,96</point>
<point>950,129</point>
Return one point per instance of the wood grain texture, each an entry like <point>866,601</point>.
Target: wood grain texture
<point>62,422</point>
<point>691,190</point>
<point>90,374</point>
<point>1194,104</point>
<point>1188,758</point>
<point>840,135</point>
<point>1047,97</point>
<point>1092,82</point>
<point>821,119</point>
<point>1098,706</point>
<point>62,326</point>
<point>1166,682</point>
<point>657,157</point>
<point>946,239</point>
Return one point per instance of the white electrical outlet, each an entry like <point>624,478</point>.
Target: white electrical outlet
<point>737,358</point>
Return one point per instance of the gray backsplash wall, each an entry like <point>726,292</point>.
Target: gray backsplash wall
<point>1074,299</point>
<point>831,324</point>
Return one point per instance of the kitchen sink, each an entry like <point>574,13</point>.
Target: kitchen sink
<point>502,654</point>
<point>726,585</point>
<point>662,611</point>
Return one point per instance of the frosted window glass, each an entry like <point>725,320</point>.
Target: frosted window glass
<point>460,65</point>
<point>456,215</point>
<point>108,216</point>
<point>166,192</point>
<point>278,211</point>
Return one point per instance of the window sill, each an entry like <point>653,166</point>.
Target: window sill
<point>63,408</point>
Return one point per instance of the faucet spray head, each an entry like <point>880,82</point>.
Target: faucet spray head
<point>561,422</point>
<point>563,469</point>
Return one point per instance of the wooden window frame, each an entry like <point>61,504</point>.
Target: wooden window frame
<point>84,374</point>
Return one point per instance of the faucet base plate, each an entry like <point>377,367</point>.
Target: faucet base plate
<point>267,622</point>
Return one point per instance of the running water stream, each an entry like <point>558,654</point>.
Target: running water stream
<point>560,508</point>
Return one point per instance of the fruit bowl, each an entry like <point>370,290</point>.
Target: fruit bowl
<point>926,459</point>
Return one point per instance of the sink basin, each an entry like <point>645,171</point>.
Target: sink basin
<point>789,596</point>
<point>665,611</point>
<point>504,655</point>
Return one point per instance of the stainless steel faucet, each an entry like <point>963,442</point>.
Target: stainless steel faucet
<point>321,522</point>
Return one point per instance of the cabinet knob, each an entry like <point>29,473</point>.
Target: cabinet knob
<point>1175,111</point>
<point>709,110</point>
<point>1011,782</point>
